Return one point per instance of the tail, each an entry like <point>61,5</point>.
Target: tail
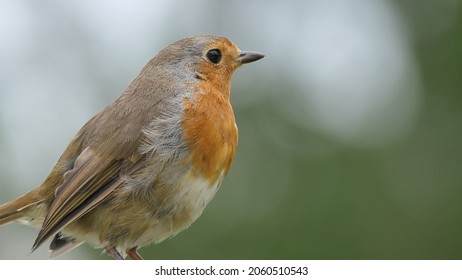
<point>17,208</point>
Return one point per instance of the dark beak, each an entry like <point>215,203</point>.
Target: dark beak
<point>247,57</point>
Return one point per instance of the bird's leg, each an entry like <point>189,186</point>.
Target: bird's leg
<point>113,253</point>
<point>133,254</point>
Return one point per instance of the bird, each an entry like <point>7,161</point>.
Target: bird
<point>144,168</point>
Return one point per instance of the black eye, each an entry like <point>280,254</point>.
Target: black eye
<point>214,56</point>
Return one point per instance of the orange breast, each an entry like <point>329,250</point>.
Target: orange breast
<point>210,131</point>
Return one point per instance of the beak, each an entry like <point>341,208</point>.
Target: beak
<point>247,57</point>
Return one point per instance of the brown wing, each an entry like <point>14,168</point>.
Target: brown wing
<point>108,141</point>
<point>105,145</point>
<point>84,187</point>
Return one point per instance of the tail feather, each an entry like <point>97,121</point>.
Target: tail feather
<point>16,209</point>
<point>10,217</point>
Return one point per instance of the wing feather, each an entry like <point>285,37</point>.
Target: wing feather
<point>85,186</point>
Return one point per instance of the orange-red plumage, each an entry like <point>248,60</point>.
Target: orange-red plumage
<point>211,131</point>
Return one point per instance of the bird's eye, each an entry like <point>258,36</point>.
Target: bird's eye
<point>214,56</point>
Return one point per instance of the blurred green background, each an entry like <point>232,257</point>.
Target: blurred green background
<point>350,128</point>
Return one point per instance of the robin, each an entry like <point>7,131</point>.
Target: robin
<point>144,168</point>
